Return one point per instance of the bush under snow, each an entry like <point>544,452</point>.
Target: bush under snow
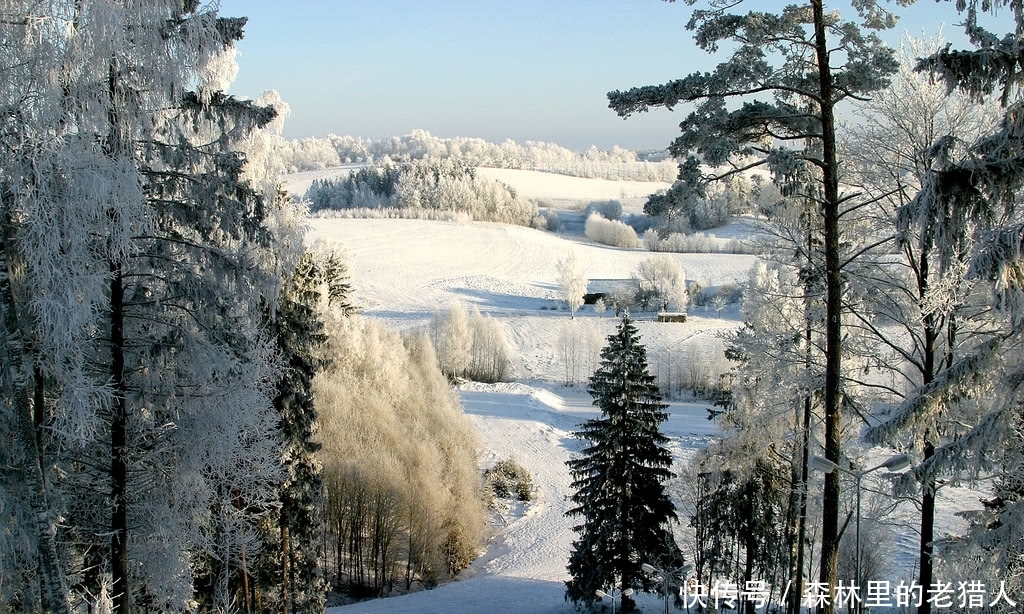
<point>610,232</point>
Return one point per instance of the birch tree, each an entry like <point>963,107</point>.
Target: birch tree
<point>571,282</point>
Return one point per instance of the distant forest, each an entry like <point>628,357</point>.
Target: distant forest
<point>616,163</point>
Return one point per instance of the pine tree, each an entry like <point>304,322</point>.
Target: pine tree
<point>619,477</point>
<point>809,61</point>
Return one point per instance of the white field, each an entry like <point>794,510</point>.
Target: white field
<point>404,270</point>
<point>551,186</point>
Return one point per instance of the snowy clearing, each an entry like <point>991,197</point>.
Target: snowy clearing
<point>523,569</point>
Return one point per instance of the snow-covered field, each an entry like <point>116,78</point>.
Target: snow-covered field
<point>551,186</point>
<point>405,270</point>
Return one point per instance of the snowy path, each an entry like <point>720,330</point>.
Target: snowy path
<point>524,567</point>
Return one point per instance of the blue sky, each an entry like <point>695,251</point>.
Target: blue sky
<point>518,69</point>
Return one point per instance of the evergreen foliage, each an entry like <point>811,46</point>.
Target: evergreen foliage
<point>289,570</point>
<point>507,478</point>
<point>618,479</point>
<point>786,74</point>
<point>740,519</point>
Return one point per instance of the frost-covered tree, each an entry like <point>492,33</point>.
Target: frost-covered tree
<point>400,461</point>
<point>982,184</point>
<point>135,257</point>
<point>786,74</point>
<point>288,572</point>
<point>470,345</point>
<point>661,280</point>
<point>914,299</point>
<point>770,410</point>
<point>619,478</point>
<point>452,340</point>
<point>572,284</point>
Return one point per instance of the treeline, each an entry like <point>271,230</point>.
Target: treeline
<point>426,185</point>
<point>616,163</point>
<point>403,499</point>
<point>681,210</point>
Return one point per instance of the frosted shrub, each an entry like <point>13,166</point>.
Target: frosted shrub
<point>652,242</point>
<point>609,209</point>
<point>509,479</point>
<point>547,220</point>
<point>696,243</point>
<point>610,232</point>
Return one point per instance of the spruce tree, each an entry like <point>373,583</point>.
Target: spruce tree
<point>619,478</point>
<point>289,571</point>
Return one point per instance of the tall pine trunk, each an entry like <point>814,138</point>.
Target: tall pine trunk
<point>117,146</point>
<point>833,307</point>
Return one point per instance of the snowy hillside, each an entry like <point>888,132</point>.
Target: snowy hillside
<point>404,270</point>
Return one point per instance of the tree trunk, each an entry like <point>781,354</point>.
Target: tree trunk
<point>796,590</point>
<point>750,543</point>
<point>833,308</point>
<point>118,443</point>
<point>927,532</point>
<point>285,568</point>
<point>793,525</point>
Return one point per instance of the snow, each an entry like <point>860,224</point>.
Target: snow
<point>405,270</point>
<point>297,183</point>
